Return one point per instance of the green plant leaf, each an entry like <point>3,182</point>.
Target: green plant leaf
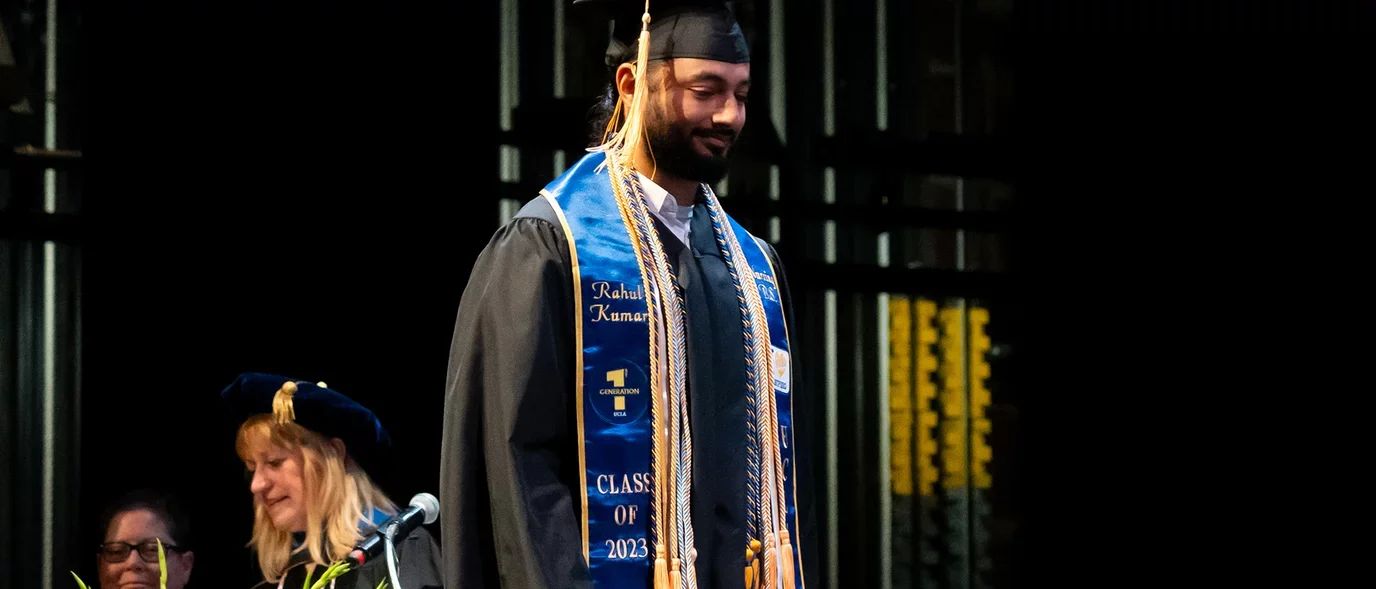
<point>162,566</point>
<point>383,584</point>
<point>79,582</point>
<point>335,570</point>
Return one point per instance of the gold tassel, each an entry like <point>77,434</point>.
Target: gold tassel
<point>661,568</point>
<point>635,123</point>
<point>749,572</point>
<point>787,561</point>
<point>755,547</point>
<point>628,139</point>
<point>771,561</point>
<point>282,408</point>
<point>675,577</point>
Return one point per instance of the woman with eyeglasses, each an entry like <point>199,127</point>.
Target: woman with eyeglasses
<point>133,524</point>
<point>307,450</point>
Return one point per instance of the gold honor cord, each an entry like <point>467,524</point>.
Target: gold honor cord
<point>671,447</point>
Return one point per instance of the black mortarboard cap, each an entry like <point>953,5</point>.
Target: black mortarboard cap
<point>701,29</point>
<point>314,407</point>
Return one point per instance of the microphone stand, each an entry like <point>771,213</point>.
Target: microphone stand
<point>391,555</point>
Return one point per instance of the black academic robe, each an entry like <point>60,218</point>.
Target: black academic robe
<point>509,479</point>
<point>418,565</point>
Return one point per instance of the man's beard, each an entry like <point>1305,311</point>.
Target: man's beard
<point>673,152</point>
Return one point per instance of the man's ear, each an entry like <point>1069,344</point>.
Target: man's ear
<point>625,81</point>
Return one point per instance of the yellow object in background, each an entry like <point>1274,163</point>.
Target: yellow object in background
<point>951,372</point>
<point>926,395</point>
<point>979,398</point>
<point>902,410</point>
<point>938,354</point>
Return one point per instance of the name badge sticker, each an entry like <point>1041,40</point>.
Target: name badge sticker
<point>781,372</point>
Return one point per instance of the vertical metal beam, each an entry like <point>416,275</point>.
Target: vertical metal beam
<point>491,19</point>
<point>799,240</point>
<point>852,116</point>
<point>9,415</point>
<point>560,65</point>
<point>775,227</point>
<point>835,540</point>
<point>899,112</point>
<point>509,83</point>
<point>535,38</point>
<point>49,336</point>
<point>778,39</point>
<point>509,58</point>
<point>560,75</point>
<point>886,503</point>
<point>29,556</point>
<point>884,435</point>
<point>48,382</point>
<point>881,65</point>
<point>836,544</point>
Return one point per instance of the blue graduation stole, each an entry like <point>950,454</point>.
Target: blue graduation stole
<point>614,386</point>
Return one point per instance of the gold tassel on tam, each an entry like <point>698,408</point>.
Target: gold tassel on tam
<point>282,409</point>
<point>624,142</point>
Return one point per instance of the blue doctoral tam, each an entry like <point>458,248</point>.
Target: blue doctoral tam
<point>316,408</point>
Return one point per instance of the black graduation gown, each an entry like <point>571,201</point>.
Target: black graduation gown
<point>418,564</point>
<point>509,475</point>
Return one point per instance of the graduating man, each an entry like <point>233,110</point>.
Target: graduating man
<point>619,409</point>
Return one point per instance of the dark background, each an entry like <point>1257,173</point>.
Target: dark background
<point>281,191</point>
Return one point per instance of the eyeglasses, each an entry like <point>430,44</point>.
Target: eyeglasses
<point>116,552</point>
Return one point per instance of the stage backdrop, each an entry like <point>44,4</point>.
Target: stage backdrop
<point>282,192</point>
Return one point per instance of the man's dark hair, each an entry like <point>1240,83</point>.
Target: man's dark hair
<point>601,112</point>
<point>167,505</point>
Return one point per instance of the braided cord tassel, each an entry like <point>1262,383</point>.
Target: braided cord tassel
<point>685,503</point>
<point>633,214</point>
<point>784,558</point>
<point>752,456</point>
<point>621,149</point>
<point>682,571</point>
<point>672,319</point>
<point>621,188</point>
<point>758,379</point>
<point>668,501</point>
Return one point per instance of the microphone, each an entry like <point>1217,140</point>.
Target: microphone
<point>424,509</point>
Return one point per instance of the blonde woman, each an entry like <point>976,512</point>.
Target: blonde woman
<point>306,449</point>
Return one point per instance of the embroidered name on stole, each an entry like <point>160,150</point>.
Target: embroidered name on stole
<point>613,377</point>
